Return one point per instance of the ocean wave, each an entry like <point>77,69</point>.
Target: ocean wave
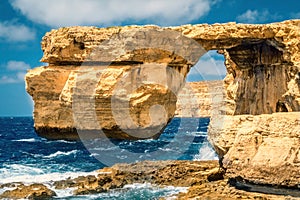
<point>44,178</point>
<point>153,190</point>
<point>145,140</point>
<point>62,193</point>
<point>94,154</point>
<point>115,147</point>
<point>13,169</point>
<point>28,174</point>
<point>128,191</point>
<point>27,140</point>
<point>206,152</point>
<point>167,149</point>
<point>61,153</point>
<point>197,133</point>
<point>61,141</point>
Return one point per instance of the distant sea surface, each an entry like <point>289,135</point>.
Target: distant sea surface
<point>26,157</point>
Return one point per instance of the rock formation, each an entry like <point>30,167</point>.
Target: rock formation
<point>203,179</point>
<point>125,81</point>
<point>263,149</point>
<point>257,134</point>
<point>21,191</point>
<point>209,96</point>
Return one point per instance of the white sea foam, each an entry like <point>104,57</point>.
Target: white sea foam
<point>167,149</point>
<point>146,140</point>
<point>137,186</point>
<point>6,189</point>
<point>94,154</point>
<point>105,148</point>
<point>48,179</point>
<point>18,169</point>
<point>197,133</point>
<point>62,193</point>
<point>169,191</point>
<point>26,140</point>
<point>29,174</point>
<point>206,152</point>
<point>60,153</point>
<point>61,141</point>
<point>171,195</point>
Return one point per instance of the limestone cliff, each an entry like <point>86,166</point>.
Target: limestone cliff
<point>122,81</point>
<point>125,81</point>
<point>209,96</point>
<point>257,137</point>
<point>260,148</point>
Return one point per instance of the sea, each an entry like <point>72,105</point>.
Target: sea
<point>25,157</point>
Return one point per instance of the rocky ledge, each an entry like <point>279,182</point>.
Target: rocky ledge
<point>204,179</point>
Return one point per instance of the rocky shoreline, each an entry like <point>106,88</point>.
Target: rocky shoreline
<point>204,179</point>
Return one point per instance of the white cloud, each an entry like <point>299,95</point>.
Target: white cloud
<point>17,65</point>
<point>16,71</point>
<point>57,13</point>
<point>7,79</point>
<point>20,76</point>
<point>249,16</point>
<point>255,16</point>
<point>11,31</point>
<point>209,65</point>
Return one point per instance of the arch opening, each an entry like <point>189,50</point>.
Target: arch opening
<point>209,67</point>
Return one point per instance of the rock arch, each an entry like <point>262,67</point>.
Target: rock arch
<point>261,61</point>
<point>263,67</point>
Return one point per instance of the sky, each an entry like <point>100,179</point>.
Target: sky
<point>24,22</point>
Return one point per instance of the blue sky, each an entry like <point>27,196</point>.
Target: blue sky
<point>24,22</point>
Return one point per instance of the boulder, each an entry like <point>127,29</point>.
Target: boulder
<point>34,191</point>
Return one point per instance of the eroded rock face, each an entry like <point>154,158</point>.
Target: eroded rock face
<point>200,99</point>
<point>129,87</point>
<point>257,137</point>
<point>58,111</point>
<point>122,82</point>
<point>125,80</point>
<point>263,149</point>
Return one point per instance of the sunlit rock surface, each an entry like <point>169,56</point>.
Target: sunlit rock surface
<point>129,88</point>
<point>200,99</point>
